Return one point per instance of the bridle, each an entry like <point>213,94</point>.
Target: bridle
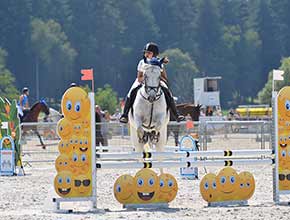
<point>148,89</point>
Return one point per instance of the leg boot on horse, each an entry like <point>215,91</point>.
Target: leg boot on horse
<point>128,104</point>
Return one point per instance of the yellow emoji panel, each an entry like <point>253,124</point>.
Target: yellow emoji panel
<point>284,157</point>
<point>284,179</point>
<point>82,186</point>
<point>64,147</point>
<point>124,189</point>
<point>146,182</point>
<point>62,163</point>
<point>63,184</point>
<point>168,188</point>
<point>80,163</point>
<point>208,188</point>
<point>64,128</point>
<point>75,104</point>
<point>247,185</point>
<point>228,183</point>
<point>284,103</point>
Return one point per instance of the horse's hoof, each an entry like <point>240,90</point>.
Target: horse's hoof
<point>43,147</point>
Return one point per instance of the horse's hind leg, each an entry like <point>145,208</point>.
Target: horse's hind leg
<point>40,139</point>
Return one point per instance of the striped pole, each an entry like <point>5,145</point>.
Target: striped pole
<point>186,154</point>
<point>193,163</point>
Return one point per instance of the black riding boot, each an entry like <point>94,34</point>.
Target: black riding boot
<point>124,116</point>
<point>129,104</point>
<point>171,104</point>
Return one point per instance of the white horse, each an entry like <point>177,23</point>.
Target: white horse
<point>149,117</point>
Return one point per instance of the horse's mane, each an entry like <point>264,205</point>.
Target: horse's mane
<point>35,104</point>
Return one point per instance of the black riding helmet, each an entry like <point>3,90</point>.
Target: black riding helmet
<point>152,47</point>
<point>25,89</point>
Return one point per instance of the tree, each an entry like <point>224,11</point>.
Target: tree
<point>181,71</point>
<point>7,88</point>
<point>106,97</point>
<point>264,96</point>
<point>53,54</point>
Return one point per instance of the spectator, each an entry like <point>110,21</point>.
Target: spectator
<point>98,119</point>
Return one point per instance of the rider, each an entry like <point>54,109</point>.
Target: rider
<point>150,50</point>
<point>23,101</point>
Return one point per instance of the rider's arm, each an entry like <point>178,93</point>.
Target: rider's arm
<point>27,104</point>
<point>164,75</point>
<point>140,76</point>
<point>20,101</point>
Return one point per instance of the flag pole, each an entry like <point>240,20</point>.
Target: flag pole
<point>93,90</point>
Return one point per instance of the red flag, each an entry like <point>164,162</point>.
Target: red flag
<point>87,74</point>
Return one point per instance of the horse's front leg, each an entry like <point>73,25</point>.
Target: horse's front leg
<point>139,128</point>
<point>40,139</point>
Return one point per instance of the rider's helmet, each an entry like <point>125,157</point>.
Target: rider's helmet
<point>152,47</point>
<point>25,89</point>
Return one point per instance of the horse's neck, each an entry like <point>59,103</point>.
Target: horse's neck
<point>32,115</point>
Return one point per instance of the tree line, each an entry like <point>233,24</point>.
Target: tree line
<point>51,40</point>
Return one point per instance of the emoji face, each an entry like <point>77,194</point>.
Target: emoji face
<point>83,145</point>
<point>75,104</point>
<point>247,185</point>
<point>284,180</point>
<point>208,188</point>
<point>168,187</point>
<point>80,163</point>
<point>82,185</point>
<point>284,103</point>
<point>228,183</point>
<point>63,184</point>
<point>64,147</point>
<point>284,158</point>
<point>284,139</point>
<point>146,182</point>
<point>77,129</point>
<point>124,189</point>
<point>64,128</point>
<point>62,163</point>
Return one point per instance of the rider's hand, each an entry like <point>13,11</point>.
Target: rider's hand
<point>166,60</point>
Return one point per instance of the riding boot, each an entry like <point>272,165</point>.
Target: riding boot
<point>124,116</point>
<point>129,104</point>
<point>171,104</point>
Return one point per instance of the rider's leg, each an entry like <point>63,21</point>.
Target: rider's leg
<point>130,101</point>
<point>171,104</point>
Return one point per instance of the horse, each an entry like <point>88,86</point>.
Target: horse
<point>184,109</point>
<point>149,116</point>
<point>32,116</point>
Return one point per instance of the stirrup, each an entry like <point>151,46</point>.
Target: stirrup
<point>124,119</point>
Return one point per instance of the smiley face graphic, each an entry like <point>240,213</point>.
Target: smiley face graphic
<point>64,128</point>
<point>82,185</point>
<point>80,163</point>
<point>124,189</point>
<point>208,188</point>
<point>247,185</point>
<point>147,186</point>
<point>228,183</point>
<point>64,147</point>
<point>284,179</point>
<point>168,188</point>
<point>75,104</point>
<point>62,163</point>
<point>63,184</point>
<point>284,103</point>
<point>284,157</point>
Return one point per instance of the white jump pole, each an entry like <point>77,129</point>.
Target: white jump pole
<point>188,154</point>
<point>193,163</point>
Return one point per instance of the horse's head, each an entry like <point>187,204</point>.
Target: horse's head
<point>44,107</point>
<point>152,75</point>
